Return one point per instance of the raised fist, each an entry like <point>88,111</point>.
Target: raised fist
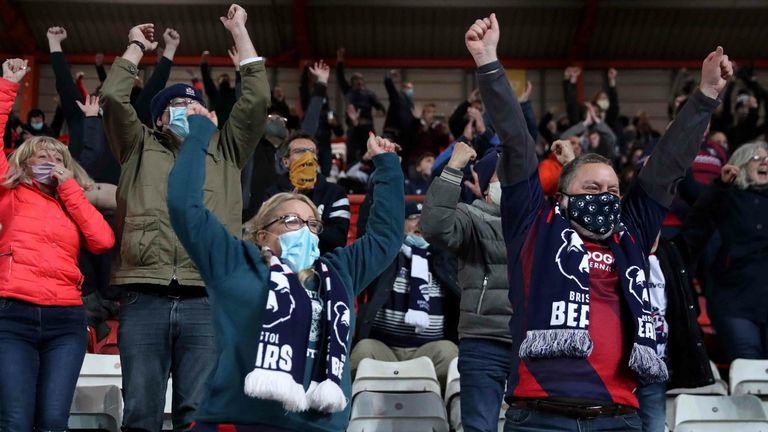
<point>56,34</point>
<point>716,70</point>
<point>144,33</point>
<point>482,38</point>
<point>15,69</point>
<point>462,154</point>
<point>235,19</point>
<point>728,173</point>
<point>171,38</point>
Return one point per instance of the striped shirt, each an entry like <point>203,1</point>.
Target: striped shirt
<point>389,326</point>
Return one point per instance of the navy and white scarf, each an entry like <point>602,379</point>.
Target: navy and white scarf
<point>418,292</point>
<point>280,363</point>
<point>557,312</point>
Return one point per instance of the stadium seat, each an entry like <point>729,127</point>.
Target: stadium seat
<point>97,408</point>
<point>98,402</point>
<point>452,398</point>
<point>743,413</point>
<point>397,412</point>
<point>749,377</point>
<point>717,388</point>
<point>417,375</point>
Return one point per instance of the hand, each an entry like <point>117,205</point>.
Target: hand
<point>716,70</point>
<point>61,174</point>
<point>572,74</point>
<point>474,184</point>
<point>204,57</point>
<point>378,145</point>
<point>197,109</point>
<point>353,114</point>
<point>728,173</point>
<point>171,38</point>
<point>79,75</point>
<point>15,69</point>
<point>526,96</point>
<point>462,154</point>
<point>321,71</point>
<point>752,102</point>
<point>144,33</point>
<point>593,113</point>
<point>477,117</point>
<point>482,38</point>
<point>56,34</point>
<point>394,74</point>
<point>340,54</point>
<point>98,59</point>
<point>612,73</point>
<point>91,106</point>
<point>235,19</point>
<point>469,130</point>
<point>563,151</point>
<point>234,57</point>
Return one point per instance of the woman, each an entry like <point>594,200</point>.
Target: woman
<point>45,217</point>
<point>737,206</point>
<point>282,314</point>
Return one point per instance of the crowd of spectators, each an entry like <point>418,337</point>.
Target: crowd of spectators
<point>94,231</point>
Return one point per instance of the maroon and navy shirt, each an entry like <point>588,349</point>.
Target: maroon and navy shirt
<point>605,375</point>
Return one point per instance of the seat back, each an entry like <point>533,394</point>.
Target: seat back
<point>97,407</point>
<point>452,383</point>
<point>416,375</point>
<point>719,387</point>
<point>396,412</point>
<point>100,370</point>
<point>749,377</point>
<point>693,412</point>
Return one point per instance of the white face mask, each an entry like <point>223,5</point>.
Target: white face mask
<point>494,192</point>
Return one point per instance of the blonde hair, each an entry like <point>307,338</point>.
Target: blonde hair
<point>741,158</point>
<point>267,213</point>
<point>17,169</point>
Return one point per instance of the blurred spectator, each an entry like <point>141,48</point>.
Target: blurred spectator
<point>473,232</point>
<point>360,105</point>
<point>221,93</point>
<point>418,183</point>
<point>314,84</point>
<point>298,155</point>
<point>736,205</point>
<point>400,319</point>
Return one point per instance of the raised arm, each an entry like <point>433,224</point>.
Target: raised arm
<point>13,72</point>
<point>215,251</point>
<point>159,77</point>
<point>441,222</point>
<point>612,115</point>
<point>311,121</point>
<point>208,85</point>
<point>68,92</point>
<point>518,153</point>
<point>341,78</point>
<point>374,251</point>
<point>98,62</point>
<point>528,113</point>
<point>246,122</point>
<point>121,123</point>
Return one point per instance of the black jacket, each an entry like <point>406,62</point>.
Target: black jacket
<point>688,361</point>
<point>444,268</point>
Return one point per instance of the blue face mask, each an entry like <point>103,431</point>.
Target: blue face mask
<point>178,122</point>
<point>409,93</point>
<point>413,240</point>
<point>299,249</point>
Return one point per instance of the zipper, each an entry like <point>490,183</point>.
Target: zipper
<point>482,294</point>
<point>175,239</point>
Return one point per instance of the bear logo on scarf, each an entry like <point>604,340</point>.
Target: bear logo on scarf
<point>637,285</point>
<point>341,323</point>
<point>280,302</point>
<point>573,259</point>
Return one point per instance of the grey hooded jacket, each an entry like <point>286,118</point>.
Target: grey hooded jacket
<point>473,233</point>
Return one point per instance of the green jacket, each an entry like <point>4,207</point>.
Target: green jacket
<point>237,280</point>
<point>149,251</point>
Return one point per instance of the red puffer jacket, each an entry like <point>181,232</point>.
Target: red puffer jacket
<point>40,238</point>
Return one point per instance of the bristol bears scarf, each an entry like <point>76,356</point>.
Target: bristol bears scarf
<point>418,293</point>
<point>279,369</point>
<point>557,305</point>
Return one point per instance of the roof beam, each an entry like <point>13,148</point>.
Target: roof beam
<point>17,31</point>
<point>584,33</point>
<point>300,30</point>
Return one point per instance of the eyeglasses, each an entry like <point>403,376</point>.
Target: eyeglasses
<point>758,158</point>
<point>294,223</point>
<point>181,102</point>
<point>275,117</point>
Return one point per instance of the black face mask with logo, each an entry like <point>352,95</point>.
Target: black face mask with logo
<point>597,213</point>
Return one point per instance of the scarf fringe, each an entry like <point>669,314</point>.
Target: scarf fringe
<point>326,396</point>
<point>418,319</point>
<point>277,386</point>
<point>646,362</point>
<point>556,343</point>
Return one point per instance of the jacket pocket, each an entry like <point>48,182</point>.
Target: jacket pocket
<point>139,246</point>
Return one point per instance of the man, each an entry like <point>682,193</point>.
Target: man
<point>165,319</point>
<point>582,327</point>
<point>363,102</point>
<point>299,152</point>
<point>418,183</point>
<point>400,117</point>
<point>411,308</point>
<point>473,232</point>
